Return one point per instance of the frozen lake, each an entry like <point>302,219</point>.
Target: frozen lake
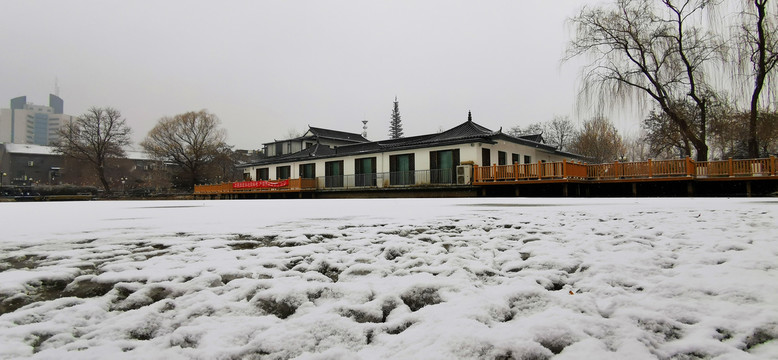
<point>392,278</point>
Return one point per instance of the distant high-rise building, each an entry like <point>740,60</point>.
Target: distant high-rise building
<point>27,123</point>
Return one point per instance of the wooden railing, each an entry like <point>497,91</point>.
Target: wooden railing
<point>539,170</point>
<point>565,170</point>
<point>213,189</point>
<point>227,188</point>
<point>626,170</point>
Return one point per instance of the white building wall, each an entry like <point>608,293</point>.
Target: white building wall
<point>536,154</point>
<point>467,152</point>
<point>296,146</point>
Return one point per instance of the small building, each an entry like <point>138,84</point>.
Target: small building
<point>433,159</point>
<point>27,164</point>
<point>314,136</point>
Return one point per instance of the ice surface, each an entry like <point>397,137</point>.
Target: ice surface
<point>396,278</point>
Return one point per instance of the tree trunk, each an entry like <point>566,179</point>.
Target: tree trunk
<point>698,143</point>
<point>753,143</point>
<point>761,74</point>
<point>702,152</point>
<point>101,174</point>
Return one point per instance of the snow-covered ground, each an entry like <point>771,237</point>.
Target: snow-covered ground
<point>377,279</point>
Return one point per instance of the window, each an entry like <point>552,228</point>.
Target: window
<point>283,172</point>
<point>307,171</point>
<point>401,169</point>
<point>515,159</point>
<point>263,174</point>
<point>333,174</point>
<point>443,165</point>
<point>527,159</point>
<point>365,172</point>
<point>279,148</point>
<point>502,158</point>
<point>486,157</point>
<point>307,145</point>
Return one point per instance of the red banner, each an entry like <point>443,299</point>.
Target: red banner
<point>260,184</point>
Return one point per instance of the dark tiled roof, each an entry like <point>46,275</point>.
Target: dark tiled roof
<point>337,135</point>
<point>465,132</point>
<point>538,138</point>
<point>321,133</point>
<point>314,151</point>
<point>467,129</point>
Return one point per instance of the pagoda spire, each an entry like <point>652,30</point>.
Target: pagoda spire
<point>396,127</point>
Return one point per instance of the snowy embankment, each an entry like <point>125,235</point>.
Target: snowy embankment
<point>376,279</point>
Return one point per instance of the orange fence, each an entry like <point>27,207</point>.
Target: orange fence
<point>627,170</point>
<point>516,172</point>
<point>227,188</point>
<point>679,168</point>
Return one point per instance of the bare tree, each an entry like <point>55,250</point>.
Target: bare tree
<point>531,129</point>
<point>636,149</point>
<point>729,133</point>
<point>96,136</point>
<point>757,44</point>
<point>599,141</point>
<point>292,133</point>
<point>191,141</point>
<point>559,132</point>
<point>663,136</point>
<point>767,126</point>
<point>649,49</point>
<point>224,168</point>
<point>729,136</point>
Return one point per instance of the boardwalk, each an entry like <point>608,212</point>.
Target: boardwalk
<point>651,169</point>
<point>509,179</point>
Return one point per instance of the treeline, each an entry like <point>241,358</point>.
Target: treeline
<point>706,67</point>
<point>600,141</point>
<point>189,149</point>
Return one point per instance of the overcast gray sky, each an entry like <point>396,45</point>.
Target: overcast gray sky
<point>265,67</point>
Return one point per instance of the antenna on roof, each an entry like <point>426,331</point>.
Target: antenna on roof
<point>56,86</point>
<point>364,129</point>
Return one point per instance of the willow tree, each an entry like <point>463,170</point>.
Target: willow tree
<point>192,141</point>
<point>757,42</point>
<point>96,136</point>
<point>647,49</point>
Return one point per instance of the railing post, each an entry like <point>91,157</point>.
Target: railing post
<point>650,169</point>
<point>689,166</point>
<point>516,171</point>
<point>494,172</point>
<point>616,169</point>
<point>540,170</point>
<point>772,165</point>
<point>564,168</point>
<point>477,177</point>
<point>731,169</point>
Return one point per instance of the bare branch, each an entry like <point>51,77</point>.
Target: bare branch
<point>641,51</point>
<point>96,136</point>
<point>191,141</point>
